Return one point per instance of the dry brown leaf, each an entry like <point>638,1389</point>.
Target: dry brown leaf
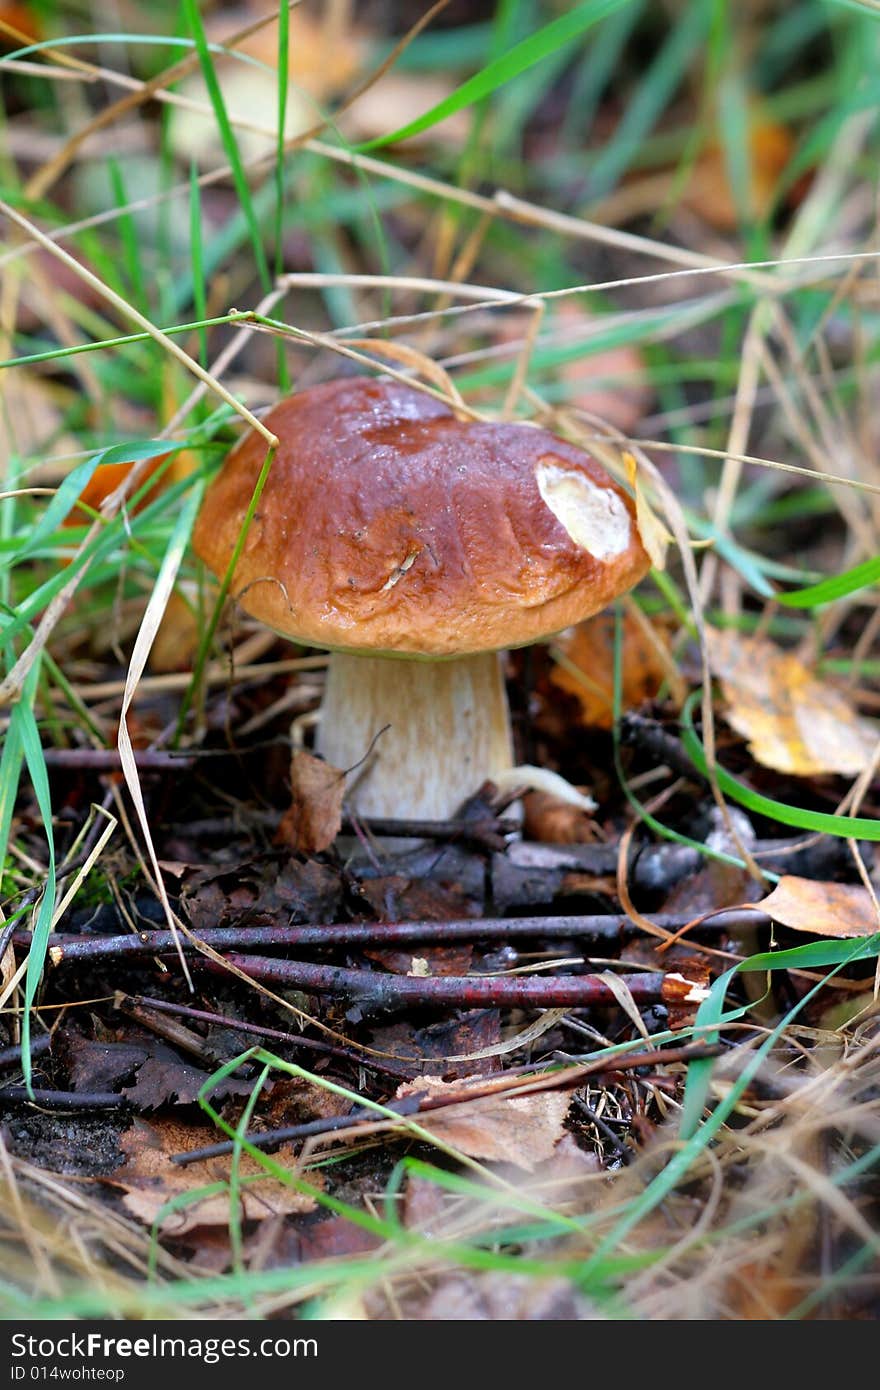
<point>314,818</point>
<point>709,192</point>
<point>150,1180</point>
<point>556,822</point>
<point>106,478</point>
<point>793,722</point>
<point>523,1131</point>
<point>22,18</point>
<point>585,667</point>
<point>825,909</point>
<point>32,421</point>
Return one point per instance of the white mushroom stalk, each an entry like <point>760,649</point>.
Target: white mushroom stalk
<point>417,736</point>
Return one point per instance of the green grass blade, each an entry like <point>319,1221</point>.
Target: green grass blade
<point>28,737</point>
<point>521,57</point>
<point>63,501</point>
<point>711,1015</point>
<point>197,261</point>
<point>847,827</point>
<point>838,586</point>
<point>227,135</point>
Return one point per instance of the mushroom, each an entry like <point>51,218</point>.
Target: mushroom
<point>415,546</point>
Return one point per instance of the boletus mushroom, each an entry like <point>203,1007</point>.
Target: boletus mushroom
<point>415,545</point>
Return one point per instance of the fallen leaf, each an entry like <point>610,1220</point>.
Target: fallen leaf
<point>469,1036</point>
<point>314,817</point>
<point>825,909</point>
<point>398,898</point>
<point>709,192</point>
<point>100,1066</point>
<point>793,722</point>
<point>556,822</point>
<point>334,1238</point>
<point>585,667</point>
<point>106,478</point>
<point>165,1078</point>
<point>20,17</point>
<point>150,1179</point>
<point>424,961</point>
<point>522,1131</point>
<point>34,422</point>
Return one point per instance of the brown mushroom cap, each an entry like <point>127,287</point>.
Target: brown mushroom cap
<point>388,525</point>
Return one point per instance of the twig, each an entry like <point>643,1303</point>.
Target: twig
<point>379,991</point>
<point>604,928</point>
<point>235,1025</point>
<point>62,1100</point>
<point>11,1056</point>
<point>489,832</point>
<point>108,759</point>
<point>508,1088</point>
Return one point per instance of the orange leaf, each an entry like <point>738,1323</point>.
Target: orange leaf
<point>825,909</point>
<point>586,669</point>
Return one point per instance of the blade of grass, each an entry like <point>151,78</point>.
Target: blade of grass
<point>711,1015</point>
<point>836,587</point>
<point>197,262</point>
<point>522,56</point>
<point>847,827</point>
<point>227,136</point>
<point>28,738</point>
<point>283,78</point>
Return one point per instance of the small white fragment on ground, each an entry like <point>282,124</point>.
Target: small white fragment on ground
<point>695,994</point>
<point>595,517</point>
<point>527,778</point>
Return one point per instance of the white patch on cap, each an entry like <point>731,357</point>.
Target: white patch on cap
<point>595,517</point>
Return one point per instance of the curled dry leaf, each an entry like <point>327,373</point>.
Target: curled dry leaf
<point>825,909</point>
<point>793,721</point>
<point>523,1131</point>
<point>556,822</point>
<point>315,815</point>
<point>150,1179</point>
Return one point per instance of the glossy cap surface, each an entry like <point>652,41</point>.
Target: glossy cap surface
<point>389,525</point>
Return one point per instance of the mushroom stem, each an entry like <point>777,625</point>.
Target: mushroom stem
<point>448,729</point>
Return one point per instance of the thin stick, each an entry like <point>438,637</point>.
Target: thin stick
<point>604,928</point>
<point>378,991</point>
<point>507,1087</point>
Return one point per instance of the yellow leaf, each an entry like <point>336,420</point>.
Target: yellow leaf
<point>793,721</point>
<point>655,537</point>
